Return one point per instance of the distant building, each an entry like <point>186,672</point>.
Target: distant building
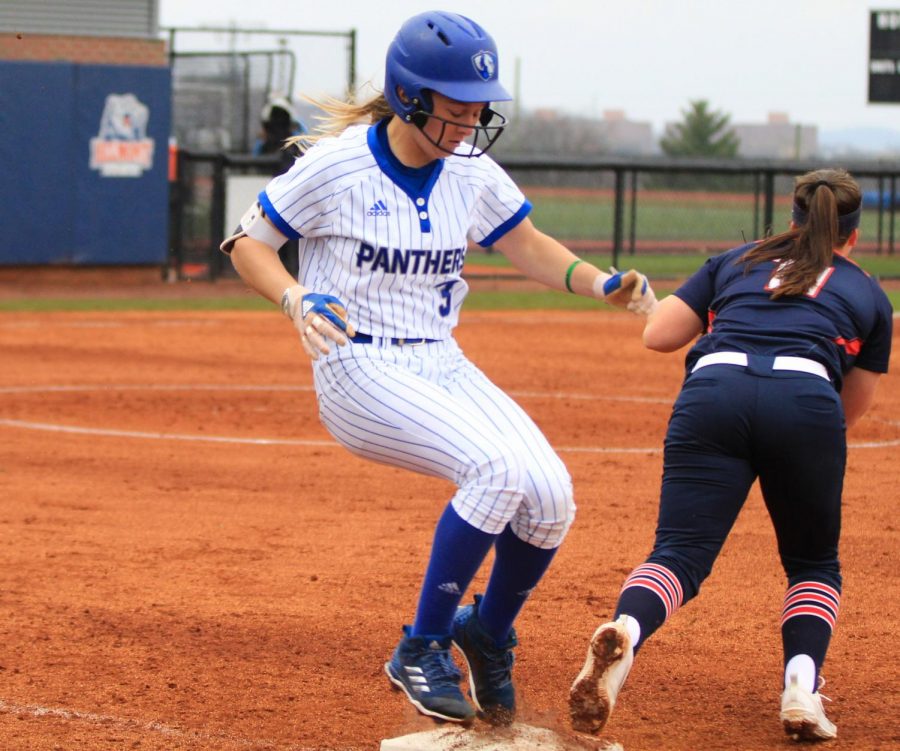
<point>626,136</point>
<point>777,138</point>
<point>548,131</point>
<point>105,32</point>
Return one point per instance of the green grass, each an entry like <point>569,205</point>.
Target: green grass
<point>580,219</point>
<point>663,216</point>
<point>105,304</point>
<point>655,266</point>
<point>529,300</point>
<point>674,265</point>
<point>553,300</point>
<point>477,300</point>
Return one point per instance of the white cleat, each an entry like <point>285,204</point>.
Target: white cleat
<point>803,715</point>
<point>593,694</point>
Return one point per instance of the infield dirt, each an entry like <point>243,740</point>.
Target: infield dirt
<point>187,561</point>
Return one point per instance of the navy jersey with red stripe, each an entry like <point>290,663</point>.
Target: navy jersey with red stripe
<point>844,320</point>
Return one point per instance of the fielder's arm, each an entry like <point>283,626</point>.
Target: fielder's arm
<point>858,393</point>
<point>672,325</point>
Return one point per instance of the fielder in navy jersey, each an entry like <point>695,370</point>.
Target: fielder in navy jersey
<point>795,339</point>
<point>384,206</point>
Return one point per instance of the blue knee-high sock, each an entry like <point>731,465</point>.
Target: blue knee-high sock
<point>457,552</point>
<point>518,567</point>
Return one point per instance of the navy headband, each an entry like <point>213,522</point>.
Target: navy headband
<point>846,222</point>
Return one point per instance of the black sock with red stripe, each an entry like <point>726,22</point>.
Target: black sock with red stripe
<point>808,618</point>
<point>651,593</point>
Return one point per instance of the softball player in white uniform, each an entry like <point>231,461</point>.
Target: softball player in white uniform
<point>384,212</point>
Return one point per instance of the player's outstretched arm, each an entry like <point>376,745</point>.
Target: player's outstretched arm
<point>319,319</point>
<point>546,260</point>
<point>858,393</point>
<point>671,325</point>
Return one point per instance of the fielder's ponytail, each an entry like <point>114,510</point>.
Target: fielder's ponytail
<point>826,210</point>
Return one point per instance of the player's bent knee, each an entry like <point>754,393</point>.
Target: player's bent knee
<point>537,501</point>
<point>491,492</point>
<point>547,532</point>
<point>545,518</point>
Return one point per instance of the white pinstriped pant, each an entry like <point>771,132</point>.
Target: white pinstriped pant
<point>427,408</point>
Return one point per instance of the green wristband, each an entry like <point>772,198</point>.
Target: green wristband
<point>569,275</point>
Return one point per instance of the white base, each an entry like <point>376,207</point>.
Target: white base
<point>517,737</point>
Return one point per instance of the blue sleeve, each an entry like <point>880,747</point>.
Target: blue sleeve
<point>875,354</point>
<point>509,224</point>
<point>699,290</point>
<point>271,212</point>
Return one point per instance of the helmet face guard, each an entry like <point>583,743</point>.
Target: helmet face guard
<point>491,125</point>
<point>449,54</point>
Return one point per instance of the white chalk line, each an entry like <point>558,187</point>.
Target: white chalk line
<point>143,323</point>
<point>78,430</point>
<point>885,420</point>
<point>147,435</point>
<point>152,726</point>
<point>162,436</point>
<point>294,387</point>
<point>149,387</point>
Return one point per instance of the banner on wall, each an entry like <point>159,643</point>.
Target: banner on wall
<point>122,123</point>
<point>85,163</point>
<point>121,147</point>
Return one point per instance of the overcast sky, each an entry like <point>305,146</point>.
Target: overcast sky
<point>805,58</point>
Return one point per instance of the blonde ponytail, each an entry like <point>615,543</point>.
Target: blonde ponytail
<point>339,115</point>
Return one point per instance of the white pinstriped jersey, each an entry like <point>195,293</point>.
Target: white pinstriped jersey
<point>390,242</point>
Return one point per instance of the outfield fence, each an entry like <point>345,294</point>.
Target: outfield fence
<point>614,206</point>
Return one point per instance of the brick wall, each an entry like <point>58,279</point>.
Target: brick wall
<point>81,49</point>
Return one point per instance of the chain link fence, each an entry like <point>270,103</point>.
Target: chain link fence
<point>222,77</point>
<point>612,207</point>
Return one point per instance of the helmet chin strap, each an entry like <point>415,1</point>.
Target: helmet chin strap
<point>485,134</point>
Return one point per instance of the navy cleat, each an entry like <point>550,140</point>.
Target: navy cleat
<point>490,666</point>
<point>424,670</point>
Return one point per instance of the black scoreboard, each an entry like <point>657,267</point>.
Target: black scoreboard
<point>884,56</point>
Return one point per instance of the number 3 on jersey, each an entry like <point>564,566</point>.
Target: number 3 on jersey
<point>446,289</point>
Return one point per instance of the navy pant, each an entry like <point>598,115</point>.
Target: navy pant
<point>731,425</point>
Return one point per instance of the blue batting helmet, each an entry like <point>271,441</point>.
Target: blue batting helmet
<point>443,52</point>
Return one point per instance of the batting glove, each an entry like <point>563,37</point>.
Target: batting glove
<point>318,318</point>
<point>327,306</point>
<point>629,290</point>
